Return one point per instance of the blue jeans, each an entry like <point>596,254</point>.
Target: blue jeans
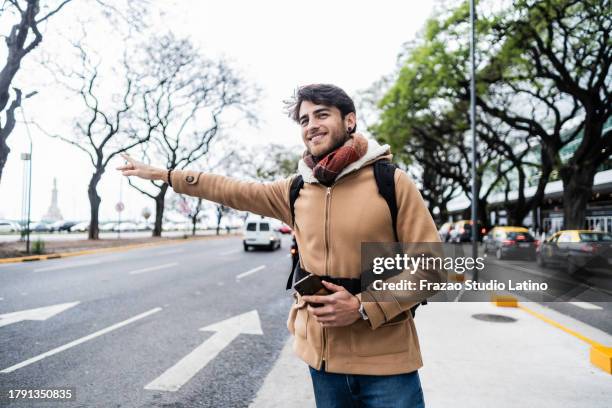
<point>367,391</point>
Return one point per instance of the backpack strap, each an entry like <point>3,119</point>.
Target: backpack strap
<point>294,191</point>
<point>384,172</point>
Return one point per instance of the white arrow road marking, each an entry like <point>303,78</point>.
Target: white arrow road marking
<point>41,313</point>
<point>226,331</point>
<point>79,341</point>
<point>72,265</point>
<point>153,268</point>
<point>586,305</point>
<point>250,271</point>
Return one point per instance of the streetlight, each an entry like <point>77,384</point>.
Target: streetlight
<point>28,157</point>
<point>473,130</point>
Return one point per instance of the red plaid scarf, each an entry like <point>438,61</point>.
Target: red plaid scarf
<point>327,168</point>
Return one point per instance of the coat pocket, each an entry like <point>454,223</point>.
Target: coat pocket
<point>390,338</point>
<point>298,317</point>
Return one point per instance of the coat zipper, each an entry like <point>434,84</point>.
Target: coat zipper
<point>326,238</point>
<point>326,235</point>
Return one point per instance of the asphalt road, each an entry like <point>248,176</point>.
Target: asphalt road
<point>169,293</point>
<point>134,339</point>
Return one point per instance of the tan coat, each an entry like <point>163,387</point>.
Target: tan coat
<point>330,225</point>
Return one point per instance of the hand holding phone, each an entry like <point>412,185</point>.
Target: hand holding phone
<point>310,285</point>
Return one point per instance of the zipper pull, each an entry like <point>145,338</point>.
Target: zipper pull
<point>328,190</point>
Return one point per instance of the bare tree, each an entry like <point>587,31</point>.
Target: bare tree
<point>104,129</point>
<point>183,111</point>
<point>190,207</point>
<point>23,37</point>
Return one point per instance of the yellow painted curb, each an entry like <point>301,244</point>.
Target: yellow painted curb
<point>101,250</point>
<point>458,277</point>
<point>504,301</point>
<point>602,357</point>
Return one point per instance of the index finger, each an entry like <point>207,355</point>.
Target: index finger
<point>319,299</point>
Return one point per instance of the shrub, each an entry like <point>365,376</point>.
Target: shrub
<point>38,247</point>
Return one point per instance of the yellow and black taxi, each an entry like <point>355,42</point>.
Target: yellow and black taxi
<point>510,242</point>
<point>577,250</point>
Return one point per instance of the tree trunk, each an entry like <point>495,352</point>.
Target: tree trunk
<point>159,210</point>
<point>94,204</point>
<point>194,221</point>
<point>577,190</point>
<point>4,152</point>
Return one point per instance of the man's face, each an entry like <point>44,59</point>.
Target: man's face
<point>323,128</point>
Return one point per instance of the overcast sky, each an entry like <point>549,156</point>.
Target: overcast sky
<point>277,45</point>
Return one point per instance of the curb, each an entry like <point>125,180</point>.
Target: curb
<point>100,250</point>
<point>599,355</point>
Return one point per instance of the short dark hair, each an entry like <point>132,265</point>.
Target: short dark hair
<point>321,94</point>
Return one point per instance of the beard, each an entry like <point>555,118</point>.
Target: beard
<point>338,142</point>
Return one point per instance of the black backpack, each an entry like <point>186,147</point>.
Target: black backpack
<point>384,172</point>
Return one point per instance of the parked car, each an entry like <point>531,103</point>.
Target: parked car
<point>445,231</point>
<point>7,226</point>
<point>65,226</point>
<point>577,250</point>
<point>510,242</point>
<point>107,226</point>
<point>125,226</point>
<point>144,226</point>
<point>462,231</point>
<point>40,227</point>
<point>80,227</point>
<point>258,232</point>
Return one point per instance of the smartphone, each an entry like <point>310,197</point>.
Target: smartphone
<point>310,285</point>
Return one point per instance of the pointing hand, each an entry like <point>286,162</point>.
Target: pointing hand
<point>133,167</point>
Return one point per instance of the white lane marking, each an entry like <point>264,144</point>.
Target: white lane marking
<point>234,251</point>
<point>79,341</point>
<point>153,268</point>
<point>72,265</point>
<point>225,332</point>
<point>1,298</point>
<point>586,305</point>
<point>40,313</point>
<point>250,272</point>
<point>171,251</point>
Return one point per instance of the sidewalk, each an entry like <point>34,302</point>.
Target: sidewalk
<point>476,363</point>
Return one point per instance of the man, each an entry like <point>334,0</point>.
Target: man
<point>360,354</point>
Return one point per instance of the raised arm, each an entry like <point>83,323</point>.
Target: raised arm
<point>268,199</point>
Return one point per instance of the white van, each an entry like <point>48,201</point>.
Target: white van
<point>261,232</point>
